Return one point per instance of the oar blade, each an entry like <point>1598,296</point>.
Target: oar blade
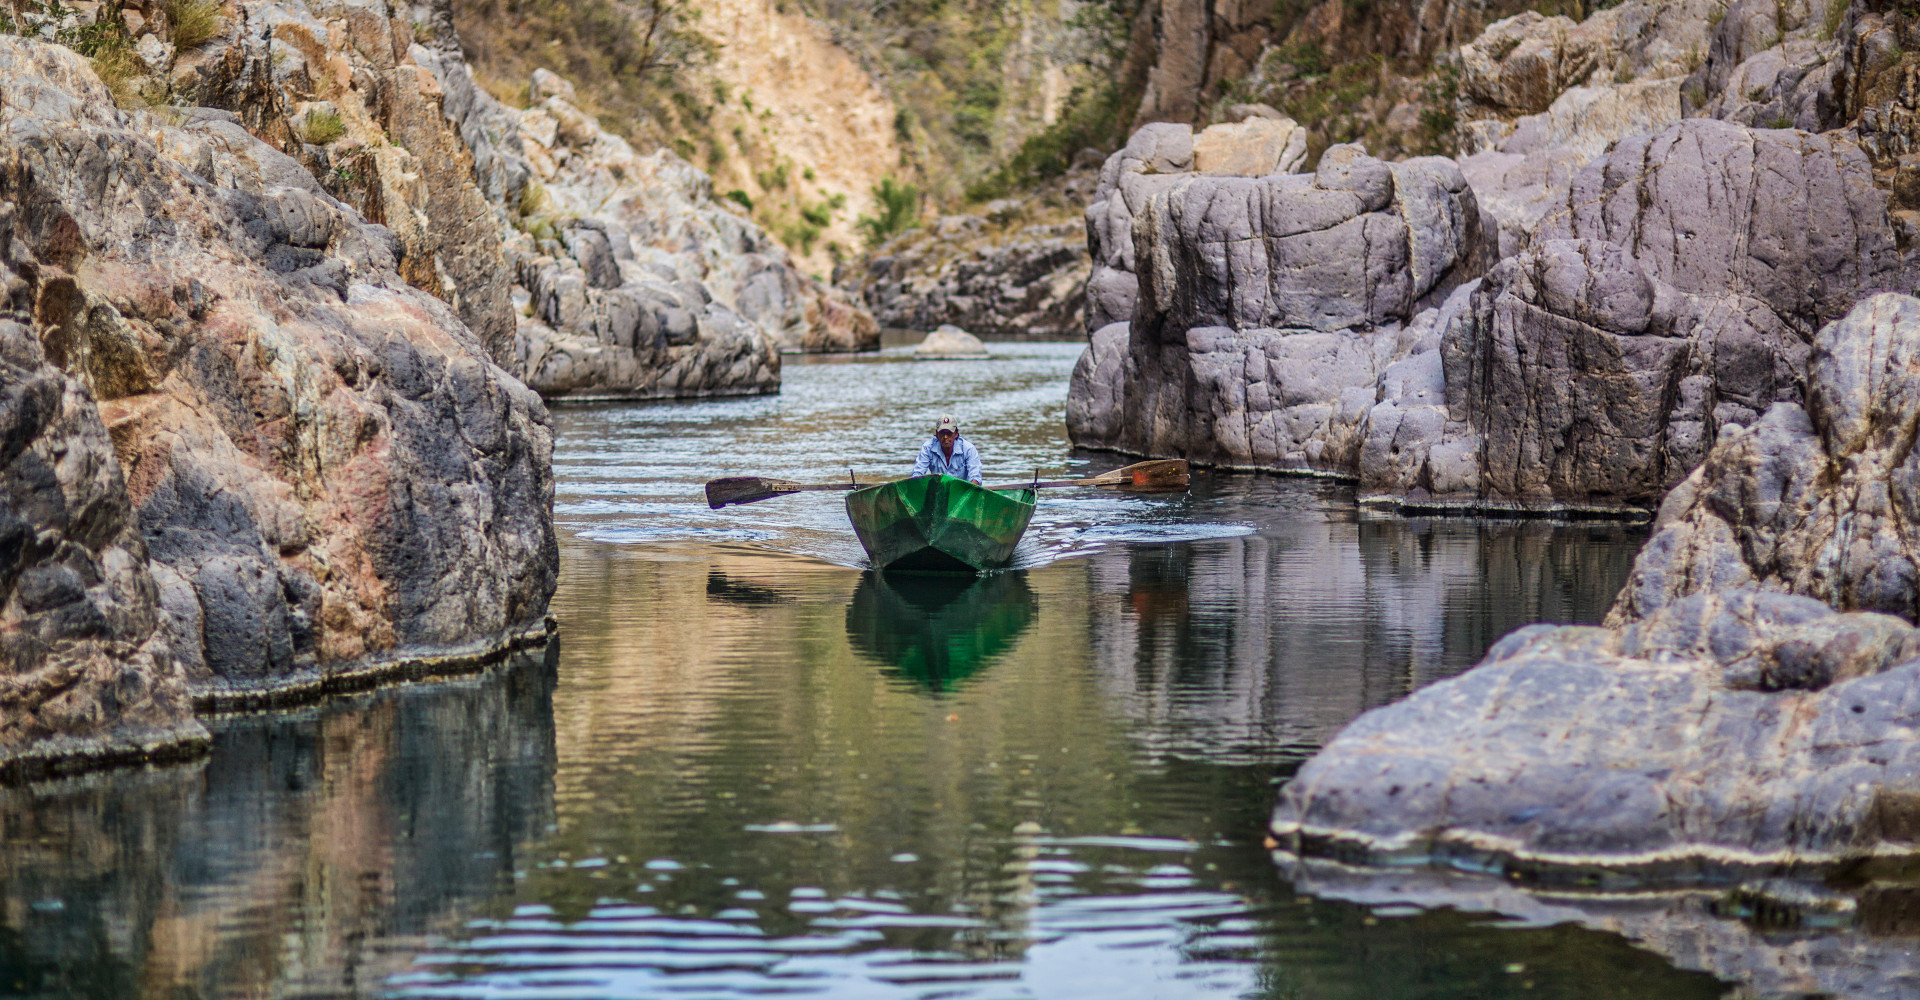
<point>746,489</point>
<point>1163,475</point>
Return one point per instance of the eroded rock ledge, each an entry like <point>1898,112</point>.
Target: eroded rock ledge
<point>322,472</point>
<point>1768,730</point>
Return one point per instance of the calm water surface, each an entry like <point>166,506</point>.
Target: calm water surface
<point>750,768</point>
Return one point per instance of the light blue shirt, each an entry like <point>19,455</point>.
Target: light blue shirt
<point>965,463</point>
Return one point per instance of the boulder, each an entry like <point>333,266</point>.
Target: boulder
<point>1523,64</point>
<point>950,342</point>
<point>1264,309</point>
<point>1811,499</point>
<point>1674,292</point>
<point>1762,651</point>
<point>1254,147</point>
<point>329,472</point>
<point>1768,729</point>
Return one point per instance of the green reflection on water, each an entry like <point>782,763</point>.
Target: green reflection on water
<point>938,630</point>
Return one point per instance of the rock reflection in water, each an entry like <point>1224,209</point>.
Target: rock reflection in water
<point>306,856</point>
<point>1260,647</point>
<point>1782,955</point>
<point>937,630</point>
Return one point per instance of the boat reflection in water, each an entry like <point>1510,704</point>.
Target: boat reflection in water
<point>937,630</point>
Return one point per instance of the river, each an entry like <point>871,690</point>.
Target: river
<point>749,768</point>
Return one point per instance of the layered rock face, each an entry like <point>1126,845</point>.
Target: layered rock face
<point>666,293</point>
<point>1812,499</point>
<point>1539,97</point>
<point>629,261</point>
<point>86,671</point>
<point>331,478</point>
<point>1770,727</point>
<point>1266,309</point>
<point>1674,292</point>
<point>1658,279</point>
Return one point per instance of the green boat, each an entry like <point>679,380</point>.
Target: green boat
<point>939,524</point>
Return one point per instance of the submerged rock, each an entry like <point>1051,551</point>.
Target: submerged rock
<point>329,474</point>
<point>951,342</point>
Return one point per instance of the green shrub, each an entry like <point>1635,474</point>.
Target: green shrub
<point>801,234</point>
<point>776,178</point>
<point>320,126</point>
<point>533,198</point>
<point>899,206</point>
<point>118,67</point>
<point>1098,120</point>
<point>736,195</point>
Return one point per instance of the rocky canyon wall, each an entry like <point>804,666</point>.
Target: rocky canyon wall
<point>589,269</point>
<point>252,460</point>
<point>1659,277</point>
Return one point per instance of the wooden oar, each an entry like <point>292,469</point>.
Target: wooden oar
<point>1161,475</point>
<point>753,489</point>
<point>1158,476</point>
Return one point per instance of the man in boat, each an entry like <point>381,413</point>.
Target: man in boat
<point>947,453</point>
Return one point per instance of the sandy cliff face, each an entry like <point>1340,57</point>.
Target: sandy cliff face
<point>794,97</point>
<point>329,475</point>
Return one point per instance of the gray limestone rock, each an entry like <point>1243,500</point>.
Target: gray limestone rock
<point>1264,310</point>
<point>1768,729</point>
<point>1815,499</point>
<point>1667,290</point>
<point>1675,292</point>
<point>552,162</point>
<point>87,676</point>
<point>328,471</point>
<point>1712,208</point>
<point>1028,280</point>
<point>1096,394</point>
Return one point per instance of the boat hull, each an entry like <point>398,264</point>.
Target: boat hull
<point>939,524</point>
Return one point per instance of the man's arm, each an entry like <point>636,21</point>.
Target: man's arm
<point>973,464</point>
<point>921,463</point>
